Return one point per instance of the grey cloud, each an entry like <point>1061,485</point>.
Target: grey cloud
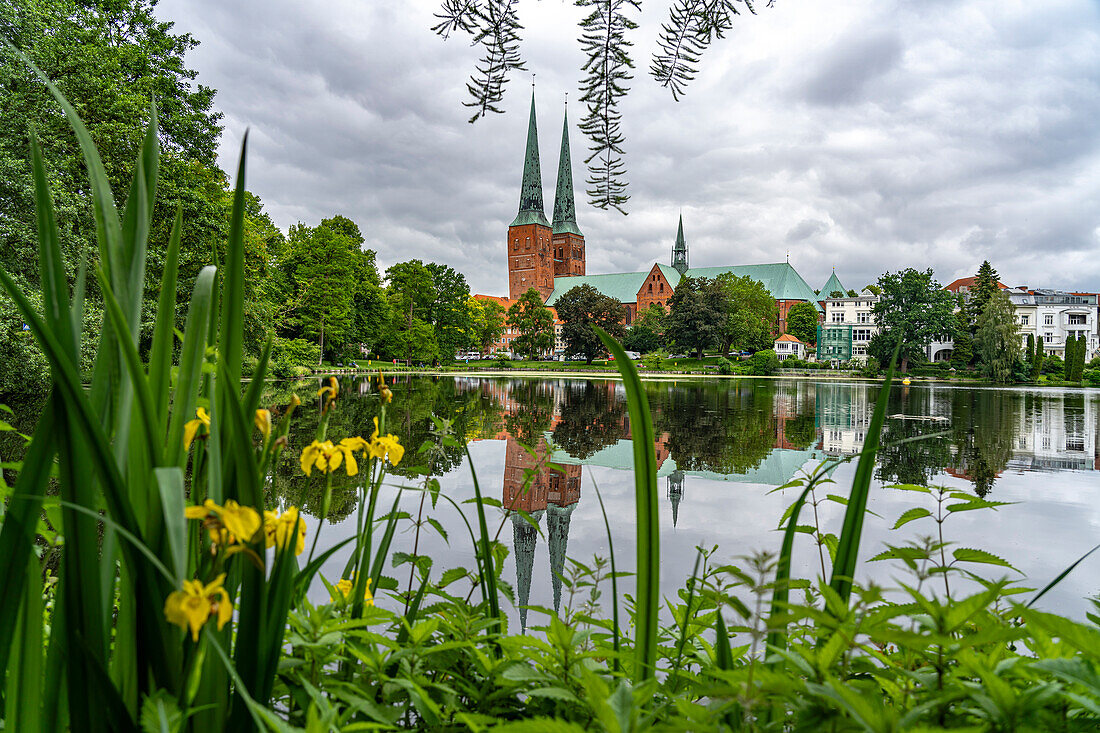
<point>932,134</point>
<point>806,229</point>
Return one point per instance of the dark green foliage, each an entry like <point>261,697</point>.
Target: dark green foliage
<point>913,310</point>
<point>1029,351</point>
<point>1054,366</point>
<point>647,332</point>
<point>591,419</point>
<point>696,311</point>
<point>1037,362</point>
<point>764,363</point>
<point>449,313</point>
<point>582,309</point>
<point>997,338</point>
<point>534,322</point>
<point>963,352</point>
<point>749,315</point>
<point>725,366</point>
<point>985,286</point>
<point>802,321</point>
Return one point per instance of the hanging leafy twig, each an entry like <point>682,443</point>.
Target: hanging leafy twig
<point>692,26</point>
<point>494,25</point>
<point>603,38</point>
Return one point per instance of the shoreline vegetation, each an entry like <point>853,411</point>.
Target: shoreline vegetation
<point>177,596</point>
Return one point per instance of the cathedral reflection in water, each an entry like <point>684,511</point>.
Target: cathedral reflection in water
<point>759,432</point>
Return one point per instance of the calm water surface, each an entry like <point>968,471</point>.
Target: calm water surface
<point>722,448</point>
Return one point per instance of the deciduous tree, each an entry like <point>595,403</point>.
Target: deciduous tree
<point>579,309</point>
<point>997,338</point>
<point>534,323</point>
<point>750,313</point>
<point>914,309</point>
<point>802,320</point>
<point>697,308</point>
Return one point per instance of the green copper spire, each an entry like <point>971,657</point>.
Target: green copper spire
<point>680,251</point>
<point>832,285</point>
<point>565,211</point>
<point>530,193</point>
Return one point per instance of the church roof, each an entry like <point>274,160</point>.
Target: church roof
<point>833,283</point>
<point>531,210</point>
<point>781,280</point>
<point>565,210</point>
<point>623,286</point>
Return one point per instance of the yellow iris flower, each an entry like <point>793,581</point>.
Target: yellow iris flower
<point>191,427</point>
<point>240,522</point>
<point>385,446</point>
<point>326,457</point>
<point>279,528</point>
<point>263,423</point>
<point>345,587</point>
<point>196,603</point>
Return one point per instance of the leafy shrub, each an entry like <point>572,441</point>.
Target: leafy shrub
<point>725,366</point>
<point>294,352</point>
<point>1053,366</point>
<point>652,361</point>
<point>871,367</point>
<point>764,363</point>
<point>1092,377</point>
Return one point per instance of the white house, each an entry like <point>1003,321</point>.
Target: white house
<point>848,327</point>
<point>1054,315</point>
<point>787,346</point>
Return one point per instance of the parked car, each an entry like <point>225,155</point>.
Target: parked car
<point>633,355</point>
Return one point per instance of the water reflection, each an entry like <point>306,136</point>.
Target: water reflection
<point>708,436</point>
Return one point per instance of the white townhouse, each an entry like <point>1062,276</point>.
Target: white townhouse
<point>1054,315</point>
<point>847,328</point>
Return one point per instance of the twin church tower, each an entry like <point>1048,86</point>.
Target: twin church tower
<point>539,251</point>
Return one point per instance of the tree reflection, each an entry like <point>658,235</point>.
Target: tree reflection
<point>983,427</point>
<point>716,428</point>
<point>593,417</point>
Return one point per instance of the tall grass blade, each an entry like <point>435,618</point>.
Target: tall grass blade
<point>645,501</point>
<point>485,555</point>
<point>160,355</point>
<point>170,488</point>
<point>1060,577</point>
<point>847,553</point>
<point>190,367</point>
<point>232,314</point>
<point>689,612</point>
<point>24,684</point>
<point>616,663</point>
<point>20,525</point>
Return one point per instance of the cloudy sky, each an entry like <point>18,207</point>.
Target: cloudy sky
<point>867,134</point>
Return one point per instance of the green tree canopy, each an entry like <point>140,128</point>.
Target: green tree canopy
<point>411,293</point>
<point>750,313</point>
<point>534,323</point>
<point>802,320</point>
<point>985,286</point>
<point>579,309</point>
<point>487,319</point>
<point>449,313</point>
<point>997,338</point>
<point>697,308</point>
<point>322,262</point>
<point>914,308</point>
<point>647,333</point>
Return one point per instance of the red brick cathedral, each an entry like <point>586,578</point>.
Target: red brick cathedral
<point>550,257</point>
<point>537,250</point>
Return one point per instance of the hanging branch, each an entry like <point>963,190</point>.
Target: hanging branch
<point>692,26</point>
<point>494,25</point>
<point>603,38</point>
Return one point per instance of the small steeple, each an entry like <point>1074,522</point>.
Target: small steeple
<point>531,210</point>
<point>680,251</point>
<point>565,211</point>
<point>675,493</point>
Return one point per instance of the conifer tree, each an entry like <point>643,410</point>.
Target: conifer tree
<point>1070,357</point>
<point>1037,363</point>
<point>985,285</point>
<point>1030,355</point>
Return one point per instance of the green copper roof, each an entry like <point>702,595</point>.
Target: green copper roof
<point>781,280</point>
<point>623,285</point>
<point>530,194</point>
<point>833,283</point>
<point>565,211</point>
<point>680,251</point>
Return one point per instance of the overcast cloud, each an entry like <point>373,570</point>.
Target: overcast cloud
<point>870,135</point>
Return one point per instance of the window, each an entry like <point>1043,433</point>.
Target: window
<point>838,317</point>
<point>1048,320</point>
<point>782,345</point>
<point>863,317</point>
<point>651,288</point>
<point>660,287</point>
<point>1025,320</point>
<point>861,334</point>
<point>1048,337</point>
<point>1077,319</point>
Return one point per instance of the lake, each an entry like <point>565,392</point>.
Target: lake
<point>543,446</point>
